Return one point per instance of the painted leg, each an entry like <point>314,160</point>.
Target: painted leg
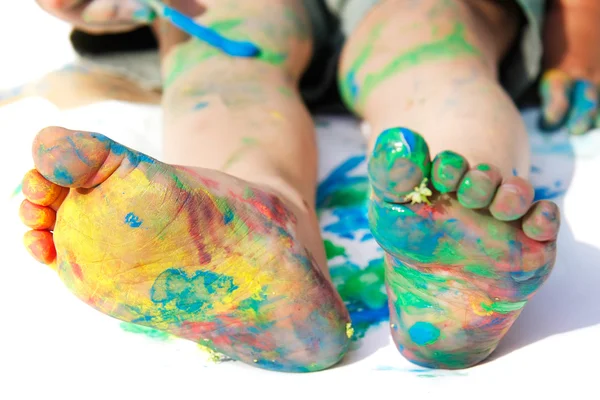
<point>222,253</point>
<point>460,269</point>
<point>569,87</point>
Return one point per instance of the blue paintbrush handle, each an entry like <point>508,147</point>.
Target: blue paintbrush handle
<point>187,24</point>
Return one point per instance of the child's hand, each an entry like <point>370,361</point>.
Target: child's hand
<point>569,88</point>
<point>100,16</point>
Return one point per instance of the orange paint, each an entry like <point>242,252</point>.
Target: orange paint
<point>39,190</point>
<point>40,245</point>
<point>37,217</point>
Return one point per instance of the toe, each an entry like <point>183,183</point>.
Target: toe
<point>39,190</point>
<point>584,105</point>
<point>40,245</point>
<point>478,186</point>
<point>80,159</point>
<point>542,221</point>
<point>37,217</point>
<point>399,162</point>
<point>555,89</point>
<point>512,199</point>
<point>447,171</point>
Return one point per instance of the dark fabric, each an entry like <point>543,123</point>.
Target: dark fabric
<point>139,39</point>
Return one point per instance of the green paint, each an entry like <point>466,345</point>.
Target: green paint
<point>362,290</point>
<point>348,88</point>
<point>452,360</point>
<point>419,299</point>
<point>347,196</point>
<point>17,191</point>
<point>144,15</point>
<point>392,165</point>
<point>481,270</point>
<point>332,250</point>
<point>143,330</point>
<point>448,168</point>
<point>503,307</point>
<point>366,286</point>
<point>475,192</point>
<point>287,92</point>
<point>226,24</point>
<point>271,57</point>
<point>247,144</point>
<point>483,167</point>
<point>452,46</point>
<point>193,52</point>
<point>298,20</point>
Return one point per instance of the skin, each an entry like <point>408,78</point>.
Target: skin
<point>443,66</point>
<point>457,274</point>
<point>232,261</point>
<point>569,89</point>
<point>457,278</point>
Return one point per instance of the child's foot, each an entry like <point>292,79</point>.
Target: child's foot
<point>569,87</point>
<point>460,270</point>
<point>193,252</point>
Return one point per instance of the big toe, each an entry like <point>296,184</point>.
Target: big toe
<point>79,159</point>
<point>399,162</point>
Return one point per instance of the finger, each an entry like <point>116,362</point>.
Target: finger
<point>59,4</point>
<point>584,107</point>
<point>117,11</point>
<point>100,16</point>
<point>555,89</point>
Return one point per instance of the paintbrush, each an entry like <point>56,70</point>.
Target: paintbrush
<point>208,35</point>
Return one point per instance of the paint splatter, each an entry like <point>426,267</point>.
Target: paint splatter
<point>146,331</point>
<point>424,333</point>
<point>201,105</point>
<point>247,144</point>
<point>133,220</point>
<point>17,191</point>
<point>342,204</point>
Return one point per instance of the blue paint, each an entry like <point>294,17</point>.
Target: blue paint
<point>408,135</point>
<point>423,333</point>
<point>367,237</point>
<point>352,85</point>
<point>370,317</point>
<point>134,157</point>
<point>189,294</point>
<point>582,106</point>
<point>350,221</point>
<point>62,177</point>
<point>201,105</point>
<point>133,221</point>
<point>144,14</point>
<point>78,152</point>
<point>514,172</point>
<point>547,193</point>
<point>17,191</point>
<point>208,35</point>
<point>535,170</point>
<point>228,216</point>
<point>339,178</point>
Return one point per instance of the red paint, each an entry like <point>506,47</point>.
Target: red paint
<point>77,271</point>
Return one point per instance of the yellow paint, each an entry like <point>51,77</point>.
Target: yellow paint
<point>213,356</point>
<point>420,194</point>
<point>277,115</point>
<point>108,258</point>
<point>349,330</point>
<point>478,304</point>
